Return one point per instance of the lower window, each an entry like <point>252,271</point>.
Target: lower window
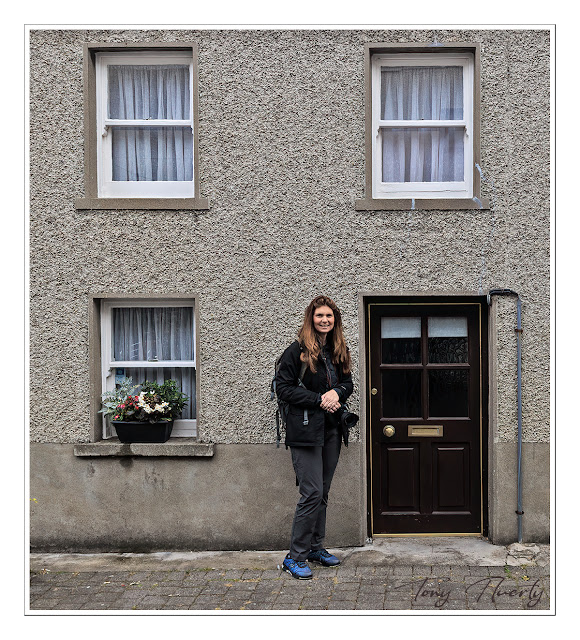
<point>152,341</point>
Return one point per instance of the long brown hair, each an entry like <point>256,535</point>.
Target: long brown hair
<point>308,337</point>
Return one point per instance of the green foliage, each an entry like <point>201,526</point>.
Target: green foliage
<point>155,403</point>
<point>168,392</point>
<point>112,399</point>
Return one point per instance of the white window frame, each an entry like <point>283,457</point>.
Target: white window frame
<point>181,428</point>
<point>391,190</point>
<point>107,188</point>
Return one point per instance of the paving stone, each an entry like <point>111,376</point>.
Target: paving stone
<point>343,600</point>
<point>290,597</point>
<point>479,571</point>
<point>207,599</point>
<point>269,574</point>
<point>43,603</point>
<point>250,574</point>
<point>214,588</point>
<point>401,605</point>
<point>202,606</point>
<point>341,605</point>
<point>264,606</point>
<point>153,601</point>
<point>371,588</point>
<point>68,606</point>
<point>402,571</point>
<point>233,604</point>
<point>233,574</point>
<point>371,606</point>
<point>314,604</point>
<point>178,602</point>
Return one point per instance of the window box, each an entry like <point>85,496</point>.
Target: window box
<point>142,432</point>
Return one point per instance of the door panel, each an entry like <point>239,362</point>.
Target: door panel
<point>400,482</point>
<point>425,417</point>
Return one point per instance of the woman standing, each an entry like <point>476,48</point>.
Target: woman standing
<point>312,426</point>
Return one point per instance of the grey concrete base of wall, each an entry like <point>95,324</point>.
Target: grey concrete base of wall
<point>241,498</point>
<point>535,470</point>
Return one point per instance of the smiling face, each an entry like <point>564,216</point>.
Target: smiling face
<point>323,321</point>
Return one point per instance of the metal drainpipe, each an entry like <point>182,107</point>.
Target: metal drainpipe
<point>518,329</point>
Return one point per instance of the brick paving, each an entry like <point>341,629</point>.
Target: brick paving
<point>344,588</point>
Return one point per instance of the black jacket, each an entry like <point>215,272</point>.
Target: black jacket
<point>299,398</point>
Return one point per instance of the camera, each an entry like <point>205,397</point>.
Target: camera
<point>347,419</point>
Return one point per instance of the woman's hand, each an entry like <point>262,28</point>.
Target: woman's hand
<point>330,401</point>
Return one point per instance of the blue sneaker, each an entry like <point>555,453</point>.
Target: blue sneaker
<point>323,557</point>
<point>299,570</point>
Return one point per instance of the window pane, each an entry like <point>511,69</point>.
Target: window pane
<point>423,154</point>
<point>421,93</point>
<point>140,92</point>
<point>401,340</point>
<point>162,333</point>
<point>448,393</point>
<point>152,154</point>
<point>401,394</point>
<point>185,379</point>
<point>447,340</point>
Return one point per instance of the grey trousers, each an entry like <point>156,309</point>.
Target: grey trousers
<point>314,468</point>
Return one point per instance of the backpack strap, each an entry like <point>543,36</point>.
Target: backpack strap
<point>303,368</point>
<point>302,372</point>
<point>300,384</point>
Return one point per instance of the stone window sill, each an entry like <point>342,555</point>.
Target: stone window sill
<point>406,204</point>
<point>174,447</point>
<point>108,204</point>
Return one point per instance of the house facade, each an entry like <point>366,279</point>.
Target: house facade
<point>192,190</point>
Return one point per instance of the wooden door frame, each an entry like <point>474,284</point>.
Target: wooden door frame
<point>405,298</point>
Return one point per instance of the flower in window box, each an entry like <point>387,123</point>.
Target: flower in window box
<point>156,402</point>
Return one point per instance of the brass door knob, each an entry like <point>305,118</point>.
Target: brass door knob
<point>389,431</point>
<point>374,391</point>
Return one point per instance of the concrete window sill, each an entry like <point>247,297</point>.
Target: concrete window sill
<point>114,204</point>
<point>406,204</point>
<point>174,447</point>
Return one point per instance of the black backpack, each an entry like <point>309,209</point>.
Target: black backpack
<point>282,410</point>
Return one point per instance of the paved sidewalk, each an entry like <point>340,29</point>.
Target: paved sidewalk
<point>439,574</point>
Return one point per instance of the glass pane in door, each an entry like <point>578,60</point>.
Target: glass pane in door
<point>447,339</point>
<point>448,393</point>
<point>401,340</point>
<point>401,394</point>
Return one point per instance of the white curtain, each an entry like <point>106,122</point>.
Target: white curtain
<point>156,92</point>
<point>422,154</point>
<point>157,333</point>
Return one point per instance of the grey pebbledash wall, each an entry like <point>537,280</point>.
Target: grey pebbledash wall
<point>281,137</point>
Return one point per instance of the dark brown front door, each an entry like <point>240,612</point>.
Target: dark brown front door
<point>425,413</point>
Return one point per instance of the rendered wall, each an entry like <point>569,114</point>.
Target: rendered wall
<point>281,131</point>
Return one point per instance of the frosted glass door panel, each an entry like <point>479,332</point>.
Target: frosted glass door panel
<point>401,340</point>
<point>447,340</point>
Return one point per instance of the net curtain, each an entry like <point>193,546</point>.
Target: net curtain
<point>148,153</point>
<point>422,154</point>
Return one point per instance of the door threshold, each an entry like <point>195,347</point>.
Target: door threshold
<point>427,535</point>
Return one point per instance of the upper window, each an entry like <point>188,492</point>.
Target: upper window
<point>141,128</point>
<point>422,133</point>
<point>150,340</point>
<point>423,116</point>
<point>145,122</point>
